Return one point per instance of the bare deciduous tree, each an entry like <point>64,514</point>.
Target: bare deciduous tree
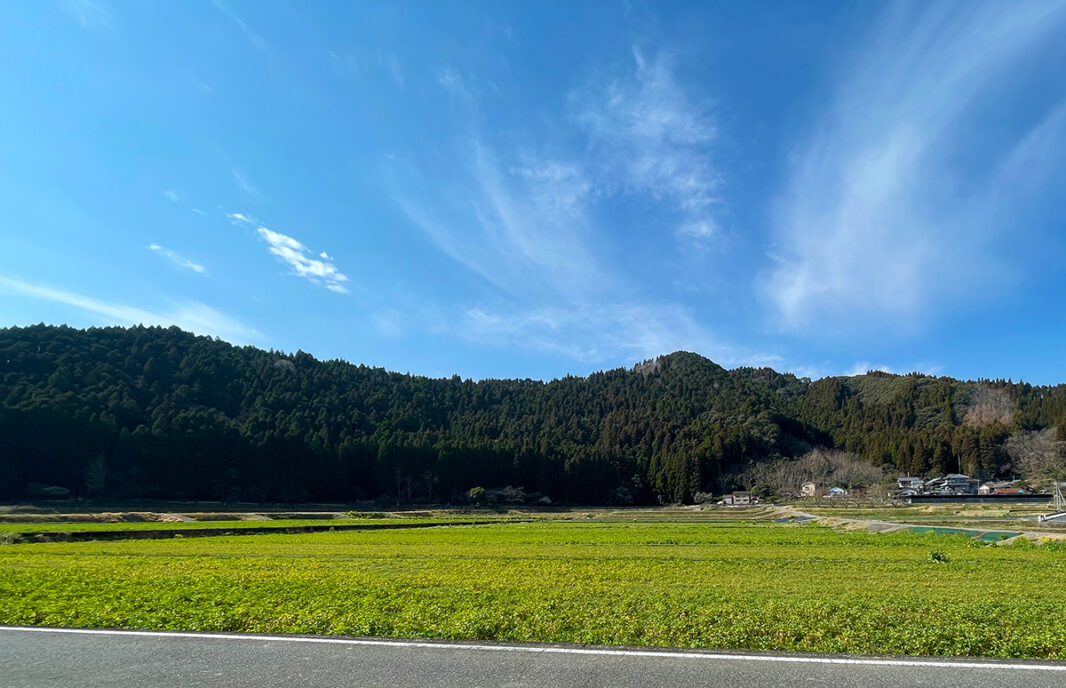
<point>1035,453</point>
<point>988,405</point>
<point>823,467</point>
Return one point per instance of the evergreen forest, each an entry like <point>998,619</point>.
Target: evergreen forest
<point>154,413</point>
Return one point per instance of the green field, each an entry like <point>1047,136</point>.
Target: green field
<point>750,585</point>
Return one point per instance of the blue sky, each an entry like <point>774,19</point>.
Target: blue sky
<point>540,189</point>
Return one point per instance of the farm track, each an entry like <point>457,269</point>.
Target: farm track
<point>879,526</point>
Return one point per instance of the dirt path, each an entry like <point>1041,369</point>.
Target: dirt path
<point>878,526</point>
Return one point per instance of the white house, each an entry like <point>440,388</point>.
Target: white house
<point>737,499</point>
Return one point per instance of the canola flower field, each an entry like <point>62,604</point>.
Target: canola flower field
<point>719,584</point>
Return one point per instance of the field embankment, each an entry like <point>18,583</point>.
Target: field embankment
<point>81,527</point>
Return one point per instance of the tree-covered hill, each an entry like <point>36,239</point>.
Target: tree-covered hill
<point>151,412</point>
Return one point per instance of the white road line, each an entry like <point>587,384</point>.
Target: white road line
<point>534,649</point>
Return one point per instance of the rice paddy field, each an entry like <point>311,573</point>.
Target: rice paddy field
<point>716,582</point>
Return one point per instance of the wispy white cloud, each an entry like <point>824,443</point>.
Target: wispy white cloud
<point>523,229</point>
<point>863,367</point>
<point>198,211</point>
<point>528,221</point>
<point>698,229</point>
<point>389,323</point>
<point>199,84</point>
<point>761,360</point>
<point>192,315</point>
<point>502,30</point>
<point>879,221</point>
<point>318,270</point>
<point>452,81</point>
<point>611,333</point>
<point>651,137</point>
<point>353,62</point>
<point>618,332</point>
<point>171,195</point>
<point>240,218</point>
<point>246,185</point>
<point>826,369</point>
<point>89,14</point>
<point>253,36</point>
<point>1032,160</point>
<point>295,255</point>
<point>178,259</point>
<point>395,70</point>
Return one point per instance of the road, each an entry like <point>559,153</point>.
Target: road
<point>38,657</point>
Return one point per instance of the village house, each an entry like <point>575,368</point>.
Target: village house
<point>837,492</point>
<point>906,482</point>
<point>952,484</point>
<point>958,484</point>
<point>737,499</point>
<point>808,490</point>
<point>1003,487</point>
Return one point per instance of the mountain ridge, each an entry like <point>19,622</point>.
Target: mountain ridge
<point>158,412</point>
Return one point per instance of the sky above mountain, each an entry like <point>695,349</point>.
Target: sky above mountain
<point>539,189</point>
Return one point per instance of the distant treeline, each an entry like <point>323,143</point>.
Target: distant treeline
<point>160,413</point>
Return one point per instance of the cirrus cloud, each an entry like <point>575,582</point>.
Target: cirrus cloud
<point>178,259</point>
<point>885,216</point>
<point>189,315</point>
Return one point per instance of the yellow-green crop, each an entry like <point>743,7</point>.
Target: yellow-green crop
<point>721,585</point>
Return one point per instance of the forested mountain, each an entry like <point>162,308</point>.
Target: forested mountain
<point>160,413</point>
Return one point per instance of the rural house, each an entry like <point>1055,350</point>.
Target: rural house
<point>958,484</point>
<point>737,499</point>
<point>808,490</point>
<point>906,482</point>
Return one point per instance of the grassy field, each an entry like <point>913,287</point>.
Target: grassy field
<point>751,585</point>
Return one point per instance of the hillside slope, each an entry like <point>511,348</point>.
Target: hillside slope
<point>151,412</point>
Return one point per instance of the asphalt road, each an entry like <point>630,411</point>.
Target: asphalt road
<point>59,658</point>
